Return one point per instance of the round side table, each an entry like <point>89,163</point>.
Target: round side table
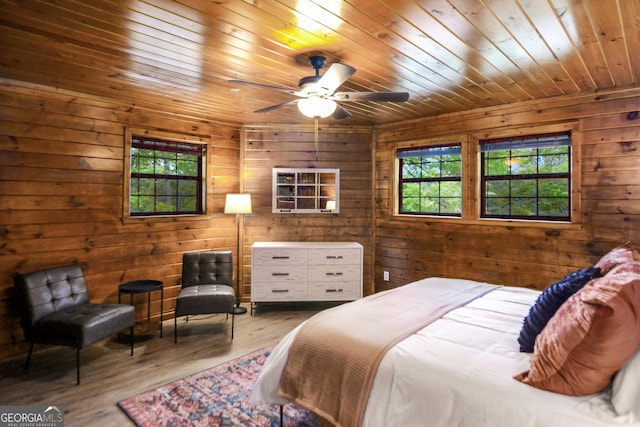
<point>143,287</point>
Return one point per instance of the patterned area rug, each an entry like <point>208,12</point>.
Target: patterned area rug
<point>215,397</point>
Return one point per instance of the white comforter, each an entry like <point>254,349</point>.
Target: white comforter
<point>459,371</point>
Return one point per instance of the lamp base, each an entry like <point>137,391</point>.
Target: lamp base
<point>239,310</point>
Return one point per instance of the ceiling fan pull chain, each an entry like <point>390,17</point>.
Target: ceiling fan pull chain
<point>316,139</point>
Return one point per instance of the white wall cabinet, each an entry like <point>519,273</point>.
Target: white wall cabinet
<point>306,190</point>
<point>306,271</point>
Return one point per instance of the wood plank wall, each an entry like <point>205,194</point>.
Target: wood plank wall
<point>61,197</point>
<point>512,254</point>
<point>61,189</point>
<point>346,148</point>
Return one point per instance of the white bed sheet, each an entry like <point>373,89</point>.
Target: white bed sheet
<point>459,371</point>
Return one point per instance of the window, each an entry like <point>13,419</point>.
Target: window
<point>166,177</point>
<point>430,180</point>
<point>526,177</point>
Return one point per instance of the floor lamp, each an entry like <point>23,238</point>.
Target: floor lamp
<point>238,203</point>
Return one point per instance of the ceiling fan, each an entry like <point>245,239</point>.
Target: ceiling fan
<point>317,94</point>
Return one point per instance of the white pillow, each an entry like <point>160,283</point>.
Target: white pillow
<point>625,391</point>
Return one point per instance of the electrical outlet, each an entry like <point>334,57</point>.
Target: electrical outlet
<point>385,276</point>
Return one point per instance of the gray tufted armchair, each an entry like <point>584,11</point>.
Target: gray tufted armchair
<point>56,311</point>
<point>207,286</point>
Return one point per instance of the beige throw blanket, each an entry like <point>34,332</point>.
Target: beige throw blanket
<point>335,355</point>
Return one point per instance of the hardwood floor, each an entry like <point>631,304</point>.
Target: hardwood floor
<point>109,373</point>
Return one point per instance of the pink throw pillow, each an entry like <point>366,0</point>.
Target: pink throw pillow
<point>617,256</point>
<point>590,337</point>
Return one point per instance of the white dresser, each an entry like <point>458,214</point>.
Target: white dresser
<point>306,271</point>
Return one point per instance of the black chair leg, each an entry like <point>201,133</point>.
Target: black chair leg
<point>175,329</point>
<point>233,320</point>
<point>78,366</point>
<point>281,415</point>
<point>131,339</point>
<point>26,365</point>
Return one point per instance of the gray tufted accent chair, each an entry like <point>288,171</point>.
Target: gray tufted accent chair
<point>207,286</point>
<point>57,311</point>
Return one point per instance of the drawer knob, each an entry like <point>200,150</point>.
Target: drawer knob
<point>334,290</point>
<point>279,291</point>
<point>334,274</point>
<point>334,256</point>
<point>279,274</point>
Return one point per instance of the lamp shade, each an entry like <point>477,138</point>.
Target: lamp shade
<point>316,107</point>
<point>237,203</point>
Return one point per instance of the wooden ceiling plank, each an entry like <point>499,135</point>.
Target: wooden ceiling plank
<point>547,22</point>
<point>418,41</point>
<point>607,24</point>
<point>442,44</point>
<point>630,14</point>
<point>521,29</point>
<point>492,39</point>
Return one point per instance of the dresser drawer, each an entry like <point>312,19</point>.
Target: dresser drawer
<point>277,256</point>
<point>334,256</point>
<point>334,291</point>
<point>334,273</point>
<point>283,291</point>
<point>275,273</point>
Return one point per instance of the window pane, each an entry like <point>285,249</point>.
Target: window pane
<point>166,204</point>
<point>451,168</point>
<point>554,207</point>
<point>411,169</point>
<point>527,177</point>
<point>524,188</point>
<point>497,189</point>
<point>430,189</point>
<point>186,203</point>
<point>554,163</point>
<point>497,167</point>
<point>430,180</point>
<point>554,188</point>
<point>187,188</point>
<point>523,164</point>
<point>147,186</point>
<point>497,205</point>
<point>450,189</point>
<point>451,205</point>
<point>523,206</point>
<point>166,177</point>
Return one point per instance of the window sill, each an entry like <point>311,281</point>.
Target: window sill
<point>165,218</point>
<point>513,223</point>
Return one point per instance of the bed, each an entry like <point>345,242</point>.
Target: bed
<point>459,368</point>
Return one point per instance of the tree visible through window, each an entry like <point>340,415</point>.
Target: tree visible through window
<point>527,177</point>
<point>166,177</point>
<point>430,180</point>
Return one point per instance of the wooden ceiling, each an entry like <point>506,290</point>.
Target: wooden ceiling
<point>449,55</point>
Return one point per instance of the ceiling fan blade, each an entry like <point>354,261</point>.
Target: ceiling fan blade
<point>275,107</point>
<point>337,74</point>
<point>341,113</point>
<point>371,96</point>
<point>279,89</point>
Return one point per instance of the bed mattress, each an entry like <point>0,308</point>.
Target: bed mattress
<point>458,371</point>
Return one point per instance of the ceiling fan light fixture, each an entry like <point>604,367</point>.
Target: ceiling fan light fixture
<point>317,108</point>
